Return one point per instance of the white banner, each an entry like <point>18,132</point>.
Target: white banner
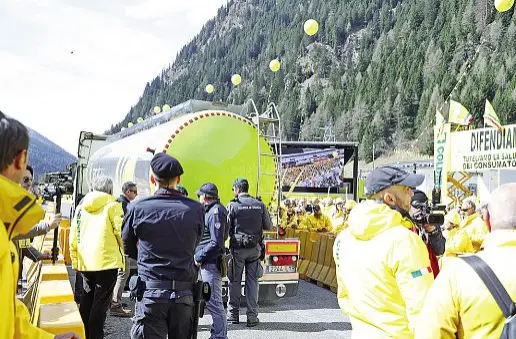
<point>483,149</point>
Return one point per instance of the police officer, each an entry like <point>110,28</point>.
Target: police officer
<point>208,255</point>
<point>167,228</point>
<point>247,218</point>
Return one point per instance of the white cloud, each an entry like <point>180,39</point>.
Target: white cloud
<point>117,45</point>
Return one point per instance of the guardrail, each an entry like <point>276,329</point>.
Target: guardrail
<point>49,296</point>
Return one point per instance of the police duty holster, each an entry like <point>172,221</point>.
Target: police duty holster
<point>136,288</point>
<point>244,241</point>
<point>223,262</point>
<point>201,294</point>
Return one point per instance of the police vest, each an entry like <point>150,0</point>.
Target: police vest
<point>246,215</point>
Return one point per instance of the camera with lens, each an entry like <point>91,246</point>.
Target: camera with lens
<point>57,183</point>
<point>429,216</point>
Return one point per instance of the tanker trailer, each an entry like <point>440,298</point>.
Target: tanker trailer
<point>212,145</point>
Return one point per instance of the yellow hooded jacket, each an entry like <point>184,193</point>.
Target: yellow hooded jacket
<point>458,241</point>
<point>459,305</point>
<point>383,272</point>
<point>18,213</point>
<point>476,229</point>
<point>95,234</point>
<point>312,223</point>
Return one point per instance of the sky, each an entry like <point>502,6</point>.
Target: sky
<point>117,45</point>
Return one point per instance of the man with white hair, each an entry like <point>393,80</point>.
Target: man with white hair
<point>97,253</point>
<point>459,304</point>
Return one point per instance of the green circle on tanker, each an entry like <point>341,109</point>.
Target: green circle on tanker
<point>220,149</point>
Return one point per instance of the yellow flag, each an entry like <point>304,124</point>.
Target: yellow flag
<point>459,114</point>
<point>491,118</point>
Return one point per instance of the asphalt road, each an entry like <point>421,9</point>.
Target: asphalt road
<point>314,312</point>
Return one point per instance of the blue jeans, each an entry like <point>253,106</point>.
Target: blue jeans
<point>211,274</point>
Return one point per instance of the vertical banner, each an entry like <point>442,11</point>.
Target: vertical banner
<point>442,157</point>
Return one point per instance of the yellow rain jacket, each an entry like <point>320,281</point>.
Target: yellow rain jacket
<point>383,272</point>
<point>476,229</point>
<point>312,223</point>
<point>18,213</point>
<point>95,234</point>
<point>458,241</point>
<point>459,305</point>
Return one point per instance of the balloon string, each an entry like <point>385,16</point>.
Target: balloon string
<point>270,93</point>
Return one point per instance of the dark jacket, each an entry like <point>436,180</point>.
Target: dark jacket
<point>124,201</point>
<point>214,236</point>
<point>167,228</point>
<point>248,215</point>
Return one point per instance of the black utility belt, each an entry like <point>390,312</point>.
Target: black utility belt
<point>244,241</point>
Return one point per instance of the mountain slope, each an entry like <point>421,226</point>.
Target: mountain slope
<point>45,156</point>
<point>376,71</point>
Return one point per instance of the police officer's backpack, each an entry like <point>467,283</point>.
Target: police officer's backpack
<point>503,299</point>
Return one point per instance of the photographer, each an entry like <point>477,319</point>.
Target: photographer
<point>430,234</point>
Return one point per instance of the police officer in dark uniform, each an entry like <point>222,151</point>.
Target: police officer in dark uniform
<point>209,255</point>
<point>162,232</point>
<point>247,218</point>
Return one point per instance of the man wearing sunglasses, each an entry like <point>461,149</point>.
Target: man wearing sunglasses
<point>18,213</point>
<point>43,227</point>
<point>473,224</point>
<point>383,269</point>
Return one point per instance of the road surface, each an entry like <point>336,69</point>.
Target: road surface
<point>314,313</point>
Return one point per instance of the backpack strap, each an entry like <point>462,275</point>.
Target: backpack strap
<point>493,284</point>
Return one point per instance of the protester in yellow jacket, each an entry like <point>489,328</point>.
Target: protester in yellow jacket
<point>316,222</point>
<point>473,224</point>
<point>19,212</point>
<point>383,268</point>
<point>459,305</point>
<point>457,240</point>
<point>97,253</point>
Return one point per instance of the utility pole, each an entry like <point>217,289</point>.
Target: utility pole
<point>373,156</point>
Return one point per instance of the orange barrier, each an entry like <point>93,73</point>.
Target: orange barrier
<point>328,259</point>
<point>308,250</point>
<point>317,262</point>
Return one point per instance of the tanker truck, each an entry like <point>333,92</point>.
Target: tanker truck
<point>215,143</point>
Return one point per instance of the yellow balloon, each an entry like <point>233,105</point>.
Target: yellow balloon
<point>130,125</point>
<point>157,109</point>
<point>335,154</point>
<point>210,88</point>
<point>236,79</point>
<point>139,120</point>
<point>503,5</point>
<point>275,65</point>
<point>166,108</point>
<point>311,27</point>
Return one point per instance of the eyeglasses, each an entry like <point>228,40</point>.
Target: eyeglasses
<point>26,180</point>
<point>465,209</point>
<point>135,192</point>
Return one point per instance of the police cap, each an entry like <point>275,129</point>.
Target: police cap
<point>166,167</point>
<point>208,189</point>
<point>240,181</point>
<point>387,176</point>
